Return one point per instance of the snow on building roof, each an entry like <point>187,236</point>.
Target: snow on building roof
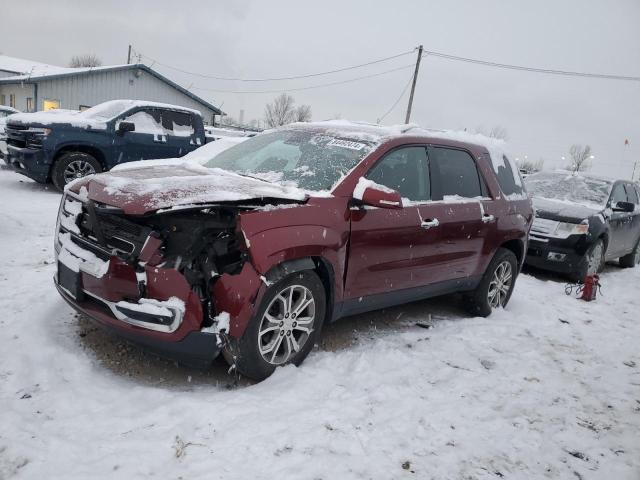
<point>30,71</point>
<point>23,66</point>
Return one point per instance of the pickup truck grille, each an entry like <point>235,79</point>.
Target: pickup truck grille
<point>17,136</point>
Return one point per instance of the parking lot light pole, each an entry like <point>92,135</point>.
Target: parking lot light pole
<point>413,85</point>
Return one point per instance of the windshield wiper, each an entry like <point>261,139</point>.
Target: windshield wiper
<point>252,176</point>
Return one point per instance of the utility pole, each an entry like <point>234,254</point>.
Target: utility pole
<point>413,85</point>
<point>129,56</point>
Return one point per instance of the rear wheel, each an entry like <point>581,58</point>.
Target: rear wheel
<point>284,328</point>
<point>632,259</point>
<point>496,286</point>
<point>73,165</point>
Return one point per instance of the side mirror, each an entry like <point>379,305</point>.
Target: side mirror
<point>124,127</point>
<point>626,207</point>
<point>376,195</point>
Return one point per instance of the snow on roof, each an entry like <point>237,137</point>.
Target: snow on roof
<point>377,134</point>
<point>30,70</point>
<point>23,66</point>
<point>50,70</point>
<point>94,117</point>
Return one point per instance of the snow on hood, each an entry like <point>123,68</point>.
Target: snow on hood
<point>57,117</point>
<point>167,187</point>
<point>545,207</point>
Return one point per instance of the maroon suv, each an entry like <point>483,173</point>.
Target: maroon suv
<point>250,254</point>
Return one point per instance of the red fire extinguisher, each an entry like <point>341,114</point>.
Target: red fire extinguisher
<point>590,287</point>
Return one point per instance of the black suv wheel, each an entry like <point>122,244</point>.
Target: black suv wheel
<point>73,165</point>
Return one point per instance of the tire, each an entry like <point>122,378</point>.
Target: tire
<point>488,295</point>
<point>632,259</point>
<point>268,343</point>
<point>592,262</point>
<point>73,165</point>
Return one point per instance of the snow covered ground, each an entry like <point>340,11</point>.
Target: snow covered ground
<point>549,388</point>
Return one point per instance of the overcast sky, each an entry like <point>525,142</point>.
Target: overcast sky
<point>543,114</point>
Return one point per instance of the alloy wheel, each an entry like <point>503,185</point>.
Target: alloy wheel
<point>77,169</point>
<point>500,284</point>
<point>286,324</point>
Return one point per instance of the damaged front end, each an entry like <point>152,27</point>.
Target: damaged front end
<point>162,279</point>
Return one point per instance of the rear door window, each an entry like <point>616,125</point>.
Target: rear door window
<point>146,121</point>
<point>179,124</point>
<point>455,174</point>
<point>406,170</point>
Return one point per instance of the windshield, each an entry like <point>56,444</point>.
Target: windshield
<point>569,187</point>
<point>107,110</point>
<point>310,159</point>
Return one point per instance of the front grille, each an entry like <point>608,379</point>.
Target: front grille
<point>119,234</point>
<point>102,233</point>
<point>16,142</point>
<point>18,136</point>
<point>543,227</point>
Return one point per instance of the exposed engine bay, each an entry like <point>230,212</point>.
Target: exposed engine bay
<point>202,243</point>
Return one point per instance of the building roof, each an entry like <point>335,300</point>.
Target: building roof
<point>34,72</point>
<point>22,66</point>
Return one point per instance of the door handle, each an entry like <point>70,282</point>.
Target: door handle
<point>427,224</point>
<point>488,218</point>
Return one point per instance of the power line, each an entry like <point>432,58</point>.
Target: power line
<point>404,90</point>
<point>291,77</point>
<point>284,90</point>
<point>530,69</point>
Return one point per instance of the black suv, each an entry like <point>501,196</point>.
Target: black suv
<point>582,221</point>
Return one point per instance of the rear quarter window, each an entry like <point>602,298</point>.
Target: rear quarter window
<point>507,178</point>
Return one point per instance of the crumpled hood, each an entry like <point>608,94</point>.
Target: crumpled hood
<point>563,210</point>
<point>149,189</point>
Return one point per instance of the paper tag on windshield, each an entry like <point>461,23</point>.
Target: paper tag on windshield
<point>336,142</point>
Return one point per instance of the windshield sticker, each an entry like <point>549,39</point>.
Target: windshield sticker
<point>336,142</point>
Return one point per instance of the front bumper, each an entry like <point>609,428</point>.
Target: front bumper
<point>559,256</point>
<point>31,162</point>
<point>196,349</point>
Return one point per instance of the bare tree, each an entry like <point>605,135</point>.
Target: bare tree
<point>280,111</point>
<point>302,113</point>
<point>85,60</point>
<point>580,158</point>
<point>530,166</point>
<point>496,132</point>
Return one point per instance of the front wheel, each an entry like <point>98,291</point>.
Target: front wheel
<point>632,259</point>
<point>73,165</point>
<point>496,286</point>
<point>284,328</point>
<point>591,263</point>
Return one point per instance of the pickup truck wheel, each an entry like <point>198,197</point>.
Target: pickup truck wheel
<point>496,286</point>
<point>284,328</point>
<point>632,259</point>
<point>73,165</point>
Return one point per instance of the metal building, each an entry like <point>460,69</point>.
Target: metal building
<point>32,86</point>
